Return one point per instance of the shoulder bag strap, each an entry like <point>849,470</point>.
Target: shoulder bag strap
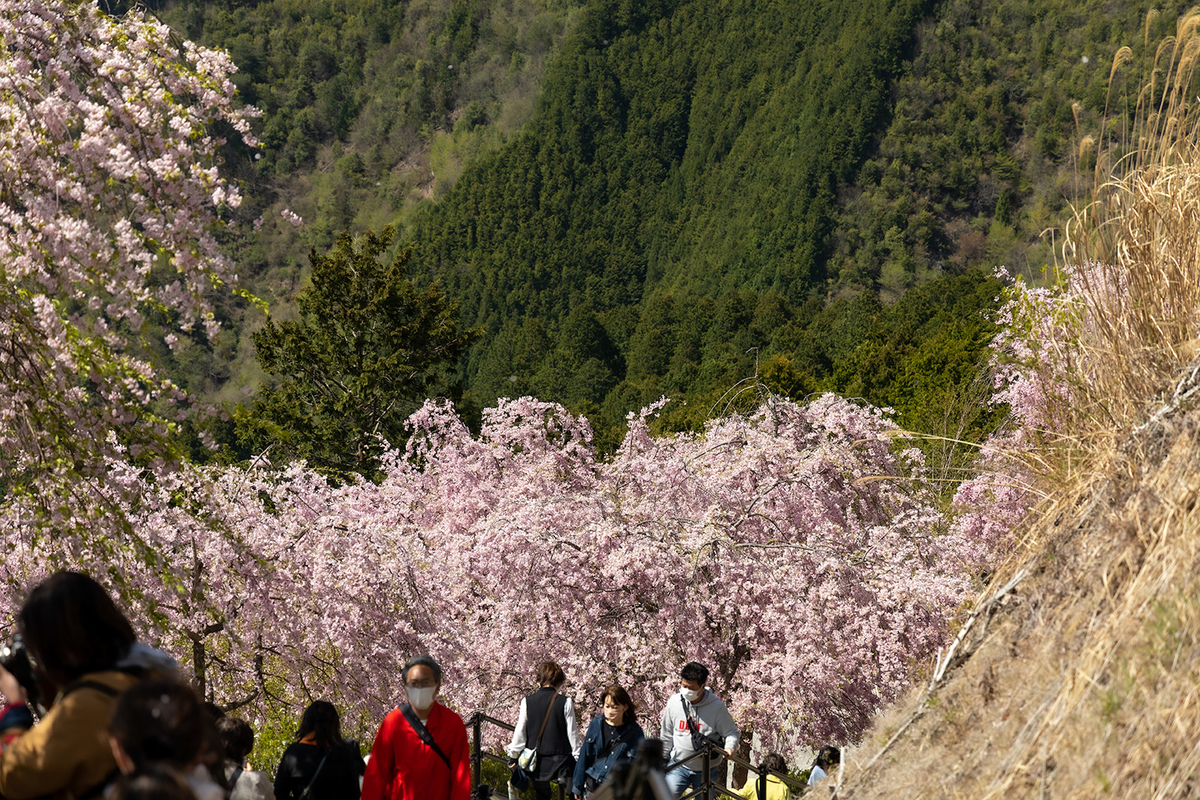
<point>692,724</point>
<point>546,719</point>
<point>313,779</point>
<point>97,686</point>
<point>612,744</point>
<point>423,732</point>
<point>761,787</point>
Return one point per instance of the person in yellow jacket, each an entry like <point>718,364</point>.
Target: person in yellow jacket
<point>765,786</point>
<point>86,652</point>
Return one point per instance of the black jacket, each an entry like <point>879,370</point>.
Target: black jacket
<point>338,779</point>
<point>556,760</point>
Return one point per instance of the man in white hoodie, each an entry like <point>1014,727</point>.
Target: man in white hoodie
<point>692,716</point>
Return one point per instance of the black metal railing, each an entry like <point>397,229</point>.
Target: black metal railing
<point>478,754</point>
<point>710,756</point>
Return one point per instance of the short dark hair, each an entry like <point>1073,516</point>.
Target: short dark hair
<point>828,755</point>
<point>72,627</point>
<point>322,721</point>
<point>550,674</point>
<point>621,697</point>
<point>427,661</point>
<point>160,721</point>
<point>237,738</point>
<point>693,671</point>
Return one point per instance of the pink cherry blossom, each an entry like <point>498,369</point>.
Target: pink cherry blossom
<point>799,552</point>
<point>109,171</point>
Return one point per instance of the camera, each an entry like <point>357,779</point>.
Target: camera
<point>14,657</point>
<point>641,779</point>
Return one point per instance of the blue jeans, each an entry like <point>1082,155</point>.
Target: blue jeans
<point>684,778</point>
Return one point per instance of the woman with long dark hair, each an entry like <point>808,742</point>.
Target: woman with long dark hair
<point>612,738</point>
<point>768,786</point>
<point>86,654</point>
<point>320,764</point>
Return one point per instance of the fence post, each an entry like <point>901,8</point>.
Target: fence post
<point>477,755</point>
<point>708,784</point>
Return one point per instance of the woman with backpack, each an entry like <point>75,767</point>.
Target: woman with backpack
<point>86,654</point>
<point>612,738</point>
<point>320,764</point>
<point>237,741</point>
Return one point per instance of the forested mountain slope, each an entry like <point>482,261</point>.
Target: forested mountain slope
<point>771,155</point>
<point>370,107</point>
<point>683,164</point>
<point>701,192</point>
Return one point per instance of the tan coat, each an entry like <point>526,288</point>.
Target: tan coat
<point>67,753</point>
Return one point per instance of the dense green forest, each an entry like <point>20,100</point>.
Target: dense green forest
<point>702,200</point>
<point>370,108</point>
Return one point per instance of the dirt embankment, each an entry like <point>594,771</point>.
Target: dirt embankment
<point>1078,673</point>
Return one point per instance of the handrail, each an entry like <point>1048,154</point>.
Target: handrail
<point>482,717</point>
<point>478,754</point>
<point>712,749</point>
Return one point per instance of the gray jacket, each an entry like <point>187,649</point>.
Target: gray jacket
<point>712,717</point>
<point>250,785</point>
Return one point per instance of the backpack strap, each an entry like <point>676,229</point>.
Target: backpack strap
<point>423,732</point>
<point>102,688</point>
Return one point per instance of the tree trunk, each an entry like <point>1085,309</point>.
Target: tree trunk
<point>198,665</point>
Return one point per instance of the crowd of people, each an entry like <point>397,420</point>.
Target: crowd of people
<point>123,725</point>
<point>692,719</point>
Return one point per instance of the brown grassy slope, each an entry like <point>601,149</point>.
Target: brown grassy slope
<point>1084,680</point>
<point>1078,672</point>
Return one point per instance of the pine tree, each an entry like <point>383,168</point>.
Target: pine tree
<point>368,348</point>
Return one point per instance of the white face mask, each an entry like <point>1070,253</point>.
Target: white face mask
<point>420,699</point>
<point>614,715</point>
<point>691,695</point>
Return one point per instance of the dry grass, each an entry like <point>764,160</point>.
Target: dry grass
<point>1138,238</point>
<point>1084,679</point>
